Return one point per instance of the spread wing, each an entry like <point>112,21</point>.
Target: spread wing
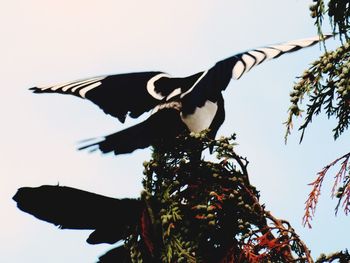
<point>243,62</point>
<point>118,95</point>
<point>217,78</point>
<point>135,93</point>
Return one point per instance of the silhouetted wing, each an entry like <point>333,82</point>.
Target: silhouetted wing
<point>118,95</point>
<point>241,63</point>
<point>70,208</point>
<point>116,255</point>
<point>162,126</point>
<point>216,79</point>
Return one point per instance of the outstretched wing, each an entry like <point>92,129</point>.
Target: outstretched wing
<point>217,78</point>
<point>118,95</point>
<point>245,61</point>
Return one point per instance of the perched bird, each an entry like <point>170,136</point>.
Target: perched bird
<point>192,103</point>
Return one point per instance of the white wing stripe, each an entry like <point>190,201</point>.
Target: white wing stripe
<point>56,86</point>
<point>67,85</point>
<point>65,88</point>
<point>303,42</point>
<point>198,80</point>
<point>83,84</point>
<point>174,93</point>
<point>284,47</point>
<point>151,87</point>
<point>270,52</point>
<point>83,91</point>
<point>249,61</point>
<point>259,56</point>
<point>238,69</point>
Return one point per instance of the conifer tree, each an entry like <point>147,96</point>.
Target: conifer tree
<point>204,211</point>
<point>325,88</point>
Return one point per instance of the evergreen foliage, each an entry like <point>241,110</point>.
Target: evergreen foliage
<point>325,87</point>
<point>203,211</point>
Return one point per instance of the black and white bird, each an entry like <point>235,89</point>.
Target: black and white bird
<point>177,104</point>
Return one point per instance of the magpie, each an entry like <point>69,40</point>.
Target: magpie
<point>71,208</point>
<point>177,104</point>
<point>111,220</point>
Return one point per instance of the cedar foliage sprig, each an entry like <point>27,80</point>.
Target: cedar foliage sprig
<point>341,192</point>
<point>338,12</point>
<point>325,88</point>
<point>341,256</point>
<point>325,84</point>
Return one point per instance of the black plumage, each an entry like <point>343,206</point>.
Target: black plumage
<point>71,208</point>
<point>192,103</point>
<point>116,255</point>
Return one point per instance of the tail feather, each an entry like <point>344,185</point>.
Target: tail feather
<point>161,126</point>
<point>70,208</point>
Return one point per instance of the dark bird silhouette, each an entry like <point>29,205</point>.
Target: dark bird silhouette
<point>116,255</point>
<point>192,103</point>
<point>70,208</point>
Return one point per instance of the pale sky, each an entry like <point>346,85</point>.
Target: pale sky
<point>48,42</point>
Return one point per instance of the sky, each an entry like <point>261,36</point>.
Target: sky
<point>49,42</point>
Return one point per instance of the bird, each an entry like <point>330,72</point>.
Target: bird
<point>110,219</point>
<point>71,208</point>
<point>176,104</point>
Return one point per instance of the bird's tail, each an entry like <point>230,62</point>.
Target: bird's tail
<point>70,208</point>
<point>161,126</point>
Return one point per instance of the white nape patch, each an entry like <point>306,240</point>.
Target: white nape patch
<point>249,62</point>
<point>258,56</point>
<point>270,52</point>
<point>198,80</point>
<point>151,87</point>
<point>81,83</point>
<point>83,91</point>
<point>284,47</point>
<point>174,93</point>
<point>238,70</point>
<point>202,117</point>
